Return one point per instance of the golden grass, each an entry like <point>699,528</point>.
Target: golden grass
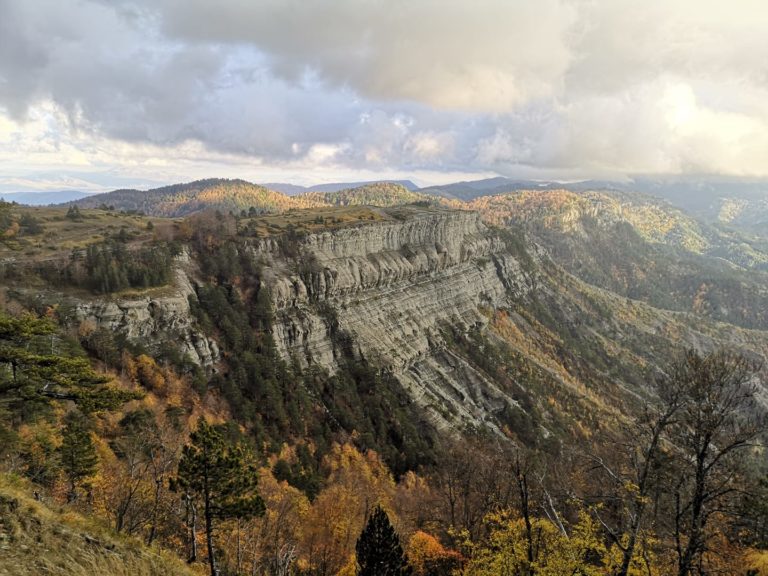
<point>60,234</point>
<point>39,540</point>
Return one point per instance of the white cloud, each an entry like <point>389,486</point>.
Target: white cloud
<point>552,88</point>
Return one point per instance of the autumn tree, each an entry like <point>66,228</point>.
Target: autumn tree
<point>717,422</point>
<point>627,475</point>
<point>219,474</point>
<point>355,482</point>
<point>429,557</point>
<point>378,548</point>
<point>578,551</point>
<point>146,449</point>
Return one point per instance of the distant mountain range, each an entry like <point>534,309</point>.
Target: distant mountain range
<point>238,195</point>
<point>732,204</point>
<point>43,198</point>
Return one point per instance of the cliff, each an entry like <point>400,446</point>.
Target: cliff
<point>391,288</point>
<point>479,327</point>
<point>155,316</point>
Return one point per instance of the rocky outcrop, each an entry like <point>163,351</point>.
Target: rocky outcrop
<point>157,316</point>
<point>392,287</point>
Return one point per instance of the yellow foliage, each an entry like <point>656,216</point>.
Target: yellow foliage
<point>350,568</point>
<point>554,553</point>
<point>757,561</point>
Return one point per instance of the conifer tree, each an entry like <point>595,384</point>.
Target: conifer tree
<point>77,452</point>
<point>378,548</point>
<point>37,371</point>
<point>220,475</point>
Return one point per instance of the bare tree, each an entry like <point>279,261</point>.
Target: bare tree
<point>717,421</point>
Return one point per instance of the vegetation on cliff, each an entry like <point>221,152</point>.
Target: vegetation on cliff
<point>604,426</point>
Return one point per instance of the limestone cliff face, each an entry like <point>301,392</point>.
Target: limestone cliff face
<point>150,319</point>
<point>393,287</point>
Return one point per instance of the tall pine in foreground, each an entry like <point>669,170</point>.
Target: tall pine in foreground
<point>77,452</point>
<point>220,475</point>
<point>378,549</point>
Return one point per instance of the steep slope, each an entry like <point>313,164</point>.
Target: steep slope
<point>393,287</point>
<point>37,539</point>
<point>399,322</point>
<point>643,249</point>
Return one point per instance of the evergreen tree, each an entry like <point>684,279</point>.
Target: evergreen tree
<point>74,213</point>
<point>219,474</point>
<point>378,548</point>
<point>37,371</point>
<point>77,452</point>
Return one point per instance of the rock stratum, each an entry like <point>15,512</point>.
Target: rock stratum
<point>393,288</point>
<point>480,327</point>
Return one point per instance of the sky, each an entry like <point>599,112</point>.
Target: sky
<point>101,94</point>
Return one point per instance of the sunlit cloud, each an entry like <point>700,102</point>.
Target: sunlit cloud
<point>170,90</point>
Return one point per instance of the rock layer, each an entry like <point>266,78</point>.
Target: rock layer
<point>150,319</point>
<point>393,287</point>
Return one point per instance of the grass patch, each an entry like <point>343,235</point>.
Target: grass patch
<point>36,539</point>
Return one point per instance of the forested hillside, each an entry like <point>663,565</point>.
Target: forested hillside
<point>541,386</point>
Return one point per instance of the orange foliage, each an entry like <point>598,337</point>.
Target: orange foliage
<point>430,558</point>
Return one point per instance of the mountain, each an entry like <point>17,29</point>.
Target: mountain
<point>44,198</point>
<point>737,205</point>
<point>376,194</point>
<point>388,352</point>
<point>293,189</point>
<point>587,291</point>
<point>642,248</point>
<point>238,195</point>
<point>285,188</point>
<point>184,199</point>
<point>488,187</point>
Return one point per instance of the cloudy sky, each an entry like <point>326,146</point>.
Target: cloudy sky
<point>97,94</point>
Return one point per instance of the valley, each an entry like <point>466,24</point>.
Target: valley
<point>370,332</point>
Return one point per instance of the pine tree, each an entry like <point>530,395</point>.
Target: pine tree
<point>218,473</point>
<point>378,548</point>
<point>77,452</point>
<point>74,213</point>
<point>36,371</point>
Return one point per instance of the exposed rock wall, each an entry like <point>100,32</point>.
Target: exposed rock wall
<point>152,318</point>
<point>392,287</point>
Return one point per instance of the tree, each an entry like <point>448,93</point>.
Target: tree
<point>30,225</point>
<point>429,558</point>
<point>73,213</point>
<point>716,422</point>
<point>38,371</point>
<point>378,549</point>
<point>219,474</point>
<point>580,551</point>
<point>628,476</point>
<point>77,452</point>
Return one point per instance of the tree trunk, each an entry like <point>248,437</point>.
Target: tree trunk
<point>192,512</point>
<point>155,505</point>
<point>522,485</point>
<point>239,556</point>
<point>209,532</point>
